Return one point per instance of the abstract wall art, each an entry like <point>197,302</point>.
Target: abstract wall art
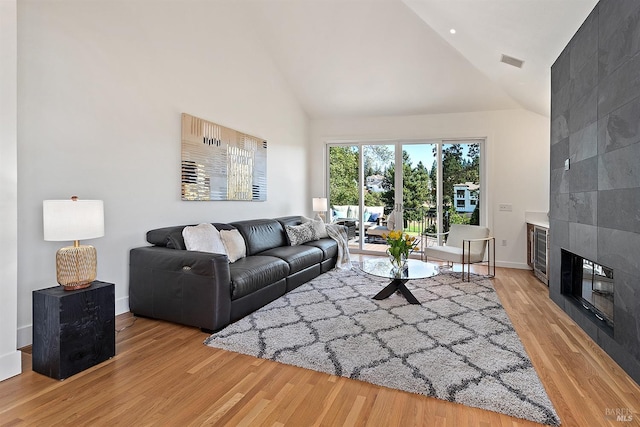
<point>219,163</point>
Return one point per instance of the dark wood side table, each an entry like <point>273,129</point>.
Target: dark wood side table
<point>73,330</point>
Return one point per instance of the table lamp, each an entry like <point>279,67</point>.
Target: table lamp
<point>320,206</point>
<point>74,220</point>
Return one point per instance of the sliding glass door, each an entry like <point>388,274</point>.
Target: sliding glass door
<point>361,193</point>
<point>419,187</point>
<point>424,185</point>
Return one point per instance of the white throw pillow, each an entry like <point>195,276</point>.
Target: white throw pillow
<point>203,238</point>
<point>320,227</point>
<point>234,244</point>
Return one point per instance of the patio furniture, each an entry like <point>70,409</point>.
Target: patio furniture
<point>377,231</point>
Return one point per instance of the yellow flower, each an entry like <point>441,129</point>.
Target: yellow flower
<point>399,244</point>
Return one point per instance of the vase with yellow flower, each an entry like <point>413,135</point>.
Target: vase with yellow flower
<point>400,245</point>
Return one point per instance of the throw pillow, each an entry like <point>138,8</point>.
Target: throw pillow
<point>391,222</point>
<point>374,217</point>
<point>203,238</point>
<point>234,244</point>
<point>341,211</point>
<point>320,227</point>
<point>299,234</point>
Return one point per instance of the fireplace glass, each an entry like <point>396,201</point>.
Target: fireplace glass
<point>590,283</point>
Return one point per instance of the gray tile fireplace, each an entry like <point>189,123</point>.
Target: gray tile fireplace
<point>591,287</point>
<point>594,208</point>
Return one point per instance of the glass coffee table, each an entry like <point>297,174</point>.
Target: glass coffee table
<point>414,269</point>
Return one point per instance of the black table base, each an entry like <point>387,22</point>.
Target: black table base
<point>397,285</point>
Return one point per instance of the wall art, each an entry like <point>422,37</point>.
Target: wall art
<point>219,163</point>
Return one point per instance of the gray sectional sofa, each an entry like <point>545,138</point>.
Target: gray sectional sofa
<point>204,290</point>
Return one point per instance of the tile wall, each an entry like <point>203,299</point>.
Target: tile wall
<point>595,205</point>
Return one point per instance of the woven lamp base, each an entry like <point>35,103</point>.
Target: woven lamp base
<point>76,266</point>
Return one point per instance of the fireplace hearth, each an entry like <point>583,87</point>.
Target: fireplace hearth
<point>591,286</point>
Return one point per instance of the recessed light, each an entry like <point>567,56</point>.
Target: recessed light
<point>452,31</point>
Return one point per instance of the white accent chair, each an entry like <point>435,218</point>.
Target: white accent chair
<point>465,245</point>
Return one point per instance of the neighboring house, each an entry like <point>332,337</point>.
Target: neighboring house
<point>465,197</point>
<point>374,183</point>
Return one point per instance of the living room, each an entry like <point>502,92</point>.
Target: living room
<point>99,90</point>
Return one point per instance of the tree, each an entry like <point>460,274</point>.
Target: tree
<point>456,218</point>
<point>343,172</point>
<point>475,216</point>
<point>452,171</point>
<point>376,159</point>
<point>415,191</point>
<point>433,186</point>
<point>472,166</point>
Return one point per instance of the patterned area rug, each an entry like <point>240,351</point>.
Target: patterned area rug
<point>459,345</point>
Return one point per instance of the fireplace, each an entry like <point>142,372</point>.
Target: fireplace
<point>595,181</point>
<point>589,285</point>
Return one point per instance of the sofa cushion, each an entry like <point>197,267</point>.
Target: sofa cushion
<point>320,227</point>
<point>255,272</point>
<point>171,237</point>
<point>341,211</point>
<point>321,230</point>
<point>297,257</point>
<point>233,244</point>
<point>292,220</point>
<point>203,238</point>
<point>299,234</point>
<point>445,253</point>
<point>261,234</point>
<point>329,247</point>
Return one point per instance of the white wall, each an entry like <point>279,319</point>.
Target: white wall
<point>101,88</point>
<point>517,155</point>
<point>10,359</point>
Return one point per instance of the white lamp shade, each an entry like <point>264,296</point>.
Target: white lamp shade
<point>69,220</point>
<point>319,204</point>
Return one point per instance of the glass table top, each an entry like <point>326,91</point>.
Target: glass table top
<point>415,269</point>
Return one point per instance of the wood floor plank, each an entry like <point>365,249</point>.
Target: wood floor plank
<point>162,374</point>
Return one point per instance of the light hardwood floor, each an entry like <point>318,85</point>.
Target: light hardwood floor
<point>163,375</point>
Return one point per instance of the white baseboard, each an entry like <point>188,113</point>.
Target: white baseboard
<point>10,365</point>
<point>25,333</point>
<point>122,305</point>
<point>518,265</point>
<point>25,336</point>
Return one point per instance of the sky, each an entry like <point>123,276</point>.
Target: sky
<point>424,152</point>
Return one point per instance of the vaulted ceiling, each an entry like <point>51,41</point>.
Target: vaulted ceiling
<point>349,58</point>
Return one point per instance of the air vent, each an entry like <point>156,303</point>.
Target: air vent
<point>515,62</point>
